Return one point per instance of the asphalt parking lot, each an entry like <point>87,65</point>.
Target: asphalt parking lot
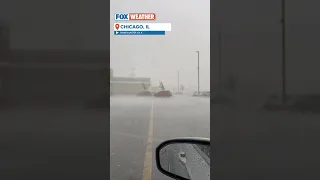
<point>179,116</point>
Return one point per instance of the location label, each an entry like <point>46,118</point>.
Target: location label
<point>117,26</point>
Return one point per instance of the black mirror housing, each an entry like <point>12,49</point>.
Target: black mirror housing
<point>184,158</point>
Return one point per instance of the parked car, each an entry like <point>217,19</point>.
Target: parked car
<point>164,93</point>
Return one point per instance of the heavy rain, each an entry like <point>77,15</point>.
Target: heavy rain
<point>156,91</point>
<point>78,102</point>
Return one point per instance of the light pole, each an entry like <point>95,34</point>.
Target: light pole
<point>198,52</point>
<point>178,81</point>
<point>284,93</point>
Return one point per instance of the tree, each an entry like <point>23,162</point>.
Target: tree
<point>182,87</point>
<point>161,86</point>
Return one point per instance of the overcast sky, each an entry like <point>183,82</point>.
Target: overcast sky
<point>251,38</point>
<point>160,57</point>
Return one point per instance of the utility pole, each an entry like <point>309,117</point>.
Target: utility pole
<point>178,82</point>
<point>220,59</point>
<point>283,20</point>
<point>198,73</point>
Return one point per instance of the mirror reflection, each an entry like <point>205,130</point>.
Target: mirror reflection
<point>190,161</point>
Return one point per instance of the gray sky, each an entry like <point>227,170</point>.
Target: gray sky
<point>251,38</point>
<point>160,57</point>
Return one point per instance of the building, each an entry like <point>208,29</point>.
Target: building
<point>127,85</point>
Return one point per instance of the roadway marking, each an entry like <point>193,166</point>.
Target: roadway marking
<point>147,166</point>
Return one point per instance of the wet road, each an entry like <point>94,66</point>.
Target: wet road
<point>130,131</point>
<point>69,143</point>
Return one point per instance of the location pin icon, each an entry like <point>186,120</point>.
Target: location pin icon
<point>117,26</point>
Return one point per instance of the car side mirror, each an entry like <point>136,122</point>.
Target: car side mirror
<point>184,158</point>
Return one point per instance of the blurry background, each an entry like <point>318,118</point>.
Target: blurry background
<point>160,57</point>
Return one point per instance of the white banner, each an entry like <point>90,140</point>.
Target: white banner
<point>142,26</point>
